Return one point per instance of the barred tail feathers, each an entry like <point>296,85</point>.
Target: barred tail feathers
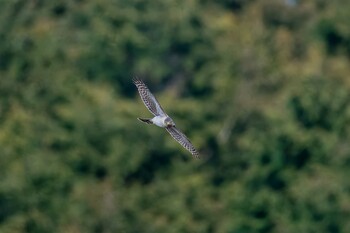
<point>145,120</point>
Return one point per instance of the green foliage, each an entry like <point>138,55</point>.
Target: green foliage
<point>260,87</point>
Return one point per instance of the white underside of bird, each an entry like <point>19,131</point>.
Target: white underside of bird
<point>159,121</point>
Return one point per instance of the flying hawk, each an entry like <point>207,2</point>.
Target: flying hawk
<point>160,118</point>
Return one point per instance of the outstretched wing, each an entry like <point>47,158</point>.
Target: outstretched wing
<point>148,98</point>
<point>183,140</point>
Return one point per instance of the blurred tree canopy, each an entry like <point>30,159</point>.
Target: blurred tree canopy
<point>262,88</point>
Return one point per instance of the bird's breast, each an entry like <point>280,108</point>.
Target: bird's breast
<point>159,121</point>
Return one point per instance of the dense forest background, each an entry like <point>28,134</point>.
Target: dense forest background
<point>262,89</point>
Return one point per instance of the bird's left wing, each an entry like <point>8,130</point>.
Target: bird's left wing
<point>183,140</point>
<point>148,98</point>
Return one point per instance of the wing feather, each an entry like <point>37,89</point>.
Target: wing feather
<point>148,98</point>
<point>183,140</point>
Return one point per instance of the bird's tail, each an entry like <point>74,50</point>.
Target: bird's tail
<point>145,120</point>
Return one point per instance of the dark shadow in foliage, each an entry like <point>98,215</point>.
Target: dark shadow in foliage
<point>215,161</point>
<point>228,168</point>
<point>89,165</point>
<point>321,103</point>
<point>334,40</point>
<point>32,226</point>
<point>275,180</point>
<point>235,5</point>
<point>10,205</point>
<point>295,153</point>
<point>204,90</point>
<point>59,10</point>
<point>148,169</point>
<point>6,56</point>
<point>101,172</point>
<point>102,66</point>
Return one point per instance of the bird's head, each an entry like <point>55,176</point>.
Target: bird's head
<point>169,122</point>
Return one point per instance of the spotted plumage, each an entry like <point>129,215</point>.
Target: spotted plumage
<point>148,98</point>
<point>183,140</point>
<point>160,118</point>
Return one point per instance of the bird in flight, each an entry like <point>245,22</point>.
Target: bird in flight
<point>160,118</point>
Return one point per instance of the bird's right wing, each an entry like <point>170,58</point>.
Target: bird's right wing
<point>148,98</point>
<point>183,140</point>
